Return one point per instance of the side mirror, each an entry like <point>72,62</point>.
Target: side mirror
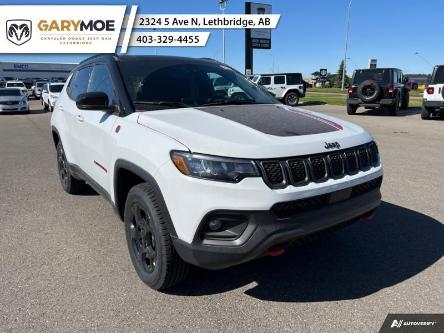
<point>96,100</point>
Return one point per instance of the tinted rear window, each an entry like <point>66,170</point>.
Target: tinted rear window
<point>438,75</point>
<point>293,79</point>
<point>378,75</point>
<point>56,88</point>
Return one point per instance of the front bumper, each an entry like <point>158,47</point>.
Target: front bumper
<point>266,230</point>
<point>13,108</point>
<point>381,102</point>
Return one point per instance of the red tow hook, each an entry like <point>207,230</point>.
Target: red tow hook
<point>275,251</point>
<point>367,216</point>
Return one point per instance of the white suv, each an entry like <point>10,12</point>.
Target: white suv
<point>433,98</point>
<point>49,95</point>
<point>287,87</point>
<point>199,177</point>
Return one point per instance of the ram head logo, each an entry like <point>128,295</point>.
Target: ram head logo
<point>18,31</point>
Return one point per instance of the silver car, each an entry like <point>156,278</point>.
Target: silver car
<point>12,100</point>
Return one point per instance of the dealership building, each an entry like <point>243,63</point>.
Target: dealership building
<point>23,70</point>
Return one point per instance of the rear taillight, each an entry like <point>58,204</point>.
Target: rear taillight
<point>350,90</point>
<point>430,90</point>
<point>390,89</point>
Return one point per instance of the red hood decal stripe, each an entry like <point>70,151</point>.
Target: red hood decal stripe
<point>322,120</point>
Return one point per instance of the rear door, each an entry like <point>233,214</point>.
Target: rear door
<point>279,85</point>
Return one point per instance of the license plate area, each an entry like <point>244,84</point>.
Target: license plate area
<point>340,195</point>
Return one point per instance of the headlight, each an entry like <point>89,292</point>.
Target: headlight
<point>212,167</point>
<point>23,101</point>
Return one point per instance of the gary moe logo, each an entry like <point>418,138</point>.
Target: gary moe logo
<point>18,31</point>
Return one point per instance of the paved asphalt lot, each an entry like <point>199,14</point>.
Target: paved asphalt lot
<point>64,264</point>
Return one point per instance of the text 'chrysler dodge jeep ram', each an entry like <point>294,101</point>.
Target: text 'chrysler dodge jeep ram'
<point>199,177</point>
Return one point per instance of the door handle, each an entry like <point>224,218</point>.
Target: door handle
<point>79,117</point>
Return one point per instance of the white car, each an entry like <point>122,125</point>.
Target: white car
<point>203,179</point>
<point>37,89</point>
<point>287,87</point>
<point>12,100</point>
<point>50,93</point>
<point>17,84</point>
<point>433,98</point>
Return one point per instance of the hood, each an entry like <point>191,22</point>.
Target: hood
<point>253,131</point>
<point>11,98</point>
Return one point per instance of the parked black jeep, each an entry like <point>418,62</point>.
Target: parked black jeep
<point>378,88</point>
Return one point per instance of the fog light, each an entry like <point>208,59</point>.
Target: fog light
<point>215,225</point>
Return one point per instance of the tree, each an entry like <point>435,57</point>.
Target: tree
<point>337,82</point>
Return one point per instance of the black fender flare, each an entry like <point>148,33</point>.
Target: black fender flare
<point>148,178</point>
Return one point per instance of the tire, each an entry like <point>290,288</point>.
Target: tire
<point>149,243</point>
<point>292,98</point>
<point>351,109</point>
<point>426,113</point>
<point>394,109</point>
<point>45,106</point>
<point>405,103</point>
<point>51,109</point>
<point>69,184</point>
<point>368,91</point>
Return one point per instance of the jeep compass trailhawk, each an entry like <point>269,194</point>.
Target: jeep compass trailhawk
<point>201,177</point>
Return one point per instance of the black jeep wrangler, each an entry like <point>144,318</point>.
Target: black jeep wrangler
<point>378,88</point>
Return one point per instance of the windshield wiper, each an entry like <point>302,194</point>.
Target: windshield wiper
<point>163,103</point>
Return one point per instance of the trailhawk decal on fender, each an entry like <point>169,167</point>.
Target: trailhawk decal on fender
<point>274,119</point>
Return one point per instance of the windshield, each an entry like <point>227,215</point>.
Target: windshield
<point>39,84</point>
<point>15,84</point>
<point>378,75</point>
<point>56,88</point>
<point>10,92</point>
<point>438,75</point>
<point>175,83</point>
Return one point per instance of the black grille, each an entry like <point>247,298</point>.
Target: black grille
<point>318,168</point>
<point>298,171</point>
<point>9,102</point>
<point>365,187</point>
<point>364,161</point>
<point>337,165</point>
<point>373,153</point>
<point>302,170</point>
<point>351,161</point>
<point>289,208</point>
<point>274,173</point>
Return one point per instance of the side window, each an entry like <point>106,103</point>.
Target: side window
<point>265,81</point>
<point>279,79</point>
<point>396,76</point>
<point>101,82</point>
<point>80,82</point>
<point>401,77</point>
<point>45,87</point>
<point>294,79</point>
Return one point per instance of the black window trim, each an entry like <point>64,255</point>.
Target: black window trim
<point>75,72</point>
<point>115,95</point>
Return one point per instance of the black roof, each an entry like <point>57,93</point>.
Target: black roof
<point>279,74</point>
<point>370,69</point>
<point>108,57</point>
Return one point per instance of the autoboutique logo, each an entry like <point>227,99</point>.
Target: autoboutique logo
<point>18,31</point>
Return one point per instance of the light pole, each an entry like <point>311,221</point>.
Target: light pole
<point>354,63</point>
<point>222,7</point>
<point>347,28</point>
<point>424,59</point>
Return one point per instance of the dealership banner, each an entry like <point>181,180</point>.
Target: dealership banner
<point>101,28</point>
<point>60,29</point>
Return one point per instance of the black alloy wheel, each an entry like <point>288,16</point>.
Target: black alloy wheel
<point>143,240</point>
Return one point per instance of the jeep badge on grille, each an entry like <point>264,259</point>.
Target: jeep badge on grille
<point>332,145</point>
